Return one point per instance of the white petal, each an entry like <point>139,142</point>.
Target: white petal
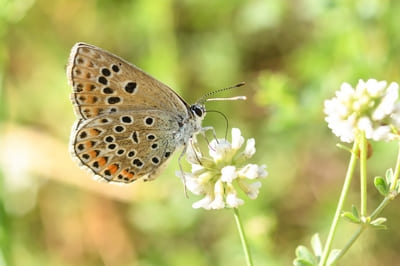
<point>250,148</point>
<point>228,173</point>
<point>395,116</point>
<point>249,171</point>
<point>194,186</point>
<point>237,139</point>
<point>383,133</point>
<point>203,203</point>
<point>345,91</point>
<point>233,201</point>
<point>196,168</point>
<point>339,118</point>
<point>254,190</point>
<point>218,202</point>
<point>219,149</point>
<point>375,88</point>
<point>387,104</point>
<point>365,125</point>
<point>262,171</point>
<point>360,87</point>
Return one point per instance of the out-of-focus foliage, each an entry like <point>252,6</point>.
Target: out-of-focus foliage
<point>292,54</point>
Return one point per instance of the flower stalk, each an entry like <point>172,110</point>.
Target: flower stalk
<point>243,240</point>
<point>343,195</point>
<point>363,173</point>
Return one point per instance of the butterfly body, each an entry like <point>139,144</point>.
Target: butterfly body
<point>129,123</point>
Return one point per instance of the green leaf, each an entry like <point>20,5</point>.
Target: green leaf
<point>397,186</point>
<point>316,245</point>
<point>305,254</point>
<point>302,262</point>
<point>380,227</point>
<point>378,223</point>
<point>332,256</point>
<point>354,211</point>
<point>381,185</point>
<point>341,146</point>
<point>389,176</point>
<point>351,217</point>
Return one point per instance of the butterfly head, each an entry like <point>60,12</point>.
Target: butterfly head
<point>198,111</point>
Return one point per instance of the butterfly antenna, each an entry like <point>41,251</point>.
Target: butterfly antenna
<point>205,98</point>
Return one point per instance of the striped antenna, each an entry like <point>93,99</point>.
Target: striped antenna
<point>205,98</point>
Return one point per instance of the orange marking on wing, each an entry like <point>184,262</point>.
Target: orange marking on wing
<point>127,174</point>
<point>88,144</point>
<point>91,99</point>
<point>124,172</point>
<point>102,161</point>
<point>87,87</point>
<point>93,154</point>
<point>94,132</point>
<point>113,168</point>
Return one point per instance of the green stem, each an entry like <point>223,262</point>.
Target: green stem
<point>396,171</point>
<point>363,174</point>
<point>376,212</point>
<point>246,249</point>
<point>381,206</point>
<point>361,228</point>
<point>346,186</point>
<point>349,243</point>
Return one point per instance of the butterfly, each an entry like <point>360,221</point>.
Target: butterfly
<point>129,123</point>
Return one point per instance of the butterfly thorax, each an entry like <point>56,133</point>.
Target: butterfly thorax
<point>191,125</point>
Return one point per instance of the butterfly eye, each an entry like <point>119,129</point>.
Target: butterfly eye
<point>197,110</point>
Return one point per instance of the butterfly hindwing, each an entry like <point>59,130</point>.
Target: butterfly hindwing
<point>125,146</point>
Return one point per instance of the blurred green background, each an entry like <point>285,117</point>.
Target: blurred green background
<point>292,54</point>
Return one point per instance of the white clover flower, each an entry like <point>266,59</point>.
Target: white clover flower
<point>219,175</point>
<point>371,107</point>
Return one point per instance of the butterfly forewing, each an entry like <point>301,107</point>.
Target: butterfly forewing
<point>105,83</point>
<point>125,146</point>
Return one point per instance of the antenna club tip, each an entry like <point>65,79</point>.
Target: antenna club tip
<point>240,84</point>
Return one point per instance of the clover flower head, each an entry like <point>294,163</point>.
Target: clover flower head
<point>371,107</point>
<point>219,175</point>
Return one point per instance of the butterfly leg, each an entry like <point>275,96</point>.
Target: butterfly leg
<point>181,169</point>
<point>205,129</point>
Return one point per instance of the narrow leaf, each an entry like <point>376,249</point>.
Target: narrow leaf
<point>332,256</point>
<point>381,185</point>
<point>301,262</point>
<point>350,217</point>
<point>397,186</point>
<point>305,254</point>
<point>389,176</point>
<point>355,212</point>
<point>379,221</point>
<point>316,245</point>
